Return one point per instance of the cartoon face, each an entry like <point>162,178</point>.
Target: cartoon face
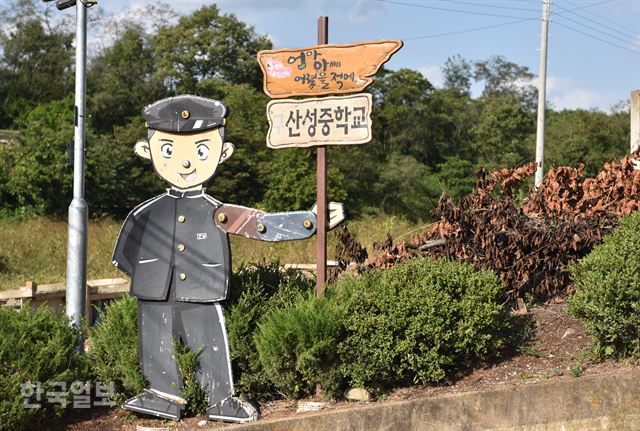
<point>185,161</point>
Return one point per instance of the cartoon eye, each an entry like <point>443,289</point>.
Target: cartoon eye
<point>166,150</point>
<point>203,152</point>
<point>269,65</point>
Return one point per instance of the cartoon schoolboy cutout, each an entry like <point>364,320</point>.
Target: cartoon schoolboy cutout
<point>175,248</point>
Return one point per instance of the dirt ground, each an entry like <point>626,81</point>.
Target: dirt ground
<point>558,348</point>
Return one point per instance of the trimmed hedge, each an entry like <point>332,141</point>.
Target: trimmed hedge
<point>255,292</point>
<point>37,348</point>
<point>297,347</point>
<point>114,348</point>
<point>607,296</point>
<point>417,322</point>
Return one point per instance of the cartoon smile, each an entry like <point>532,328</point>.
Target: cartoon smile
<point>189,176</point>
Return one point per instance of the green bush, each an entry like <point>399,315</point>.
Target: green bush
<point>255,291</point>
<point>36,347</point>
<point>607,296</point>
<point>417,321</point>
<point>191,390</point>
<point>114,348</point>
<point>297,347</point>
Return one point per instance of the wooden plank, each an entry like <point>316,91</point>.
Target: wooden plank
<point>339,120</point>
<point>324,69</point>
<point>309,266</point>
<point>107,282</point>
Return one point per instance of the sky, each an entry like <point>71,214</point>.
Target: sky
<point>594,45</point>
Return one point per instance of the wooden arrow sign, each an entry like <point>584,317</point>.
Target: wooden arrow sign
<point>324,69</point>
<point>340,120</point>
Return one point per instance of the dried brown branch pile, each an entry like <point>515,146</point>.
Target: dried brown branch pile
<point>615,190</point>
<point>529,247</point>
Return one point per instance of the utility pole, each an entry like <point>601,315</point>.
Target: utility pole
<point>542,92</point>
<point>78,210</point>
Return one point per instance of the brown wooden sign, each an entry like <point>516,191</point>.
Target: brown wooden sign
<point>339,120</point>
<point>324,69</point>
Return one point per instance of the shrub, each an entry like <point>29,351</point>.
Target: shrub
<point>607,296</point>
<point>417,321</point>
<point>297,347</point>
<point>114,348</point>
<point>191,390</point>
<point>36,347</point>
<point>254,292</point>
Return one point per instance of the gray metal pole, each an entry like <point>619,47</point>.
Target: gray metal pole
<point>78,211</point>
<point>542,93</point>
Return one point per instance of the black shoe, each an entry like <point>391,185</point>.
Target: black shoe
<point>234,410</point>
<point>152,404</point>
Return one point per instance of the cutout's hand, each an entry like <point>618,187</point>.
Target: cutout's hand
<point>336,213</point>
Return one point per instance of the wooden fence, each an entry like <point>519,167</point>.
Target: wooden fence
<point>98,292</point>
<point>53,295</point>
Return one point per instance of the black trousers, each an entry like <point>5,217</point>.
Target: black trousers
<point>197,325</point>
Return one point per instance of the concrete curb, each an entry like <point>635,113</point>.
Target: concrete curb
<point>602,402</point>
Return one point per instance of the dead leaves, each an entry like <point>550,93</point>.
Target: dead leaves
<point>564,193</point>
<point>528,247</point>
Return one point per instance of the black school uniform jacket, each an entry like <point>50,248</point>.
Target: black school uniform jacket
<point>172,238</point>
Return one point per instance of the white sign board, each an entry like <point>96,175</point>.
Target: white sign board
<point>338,120</point>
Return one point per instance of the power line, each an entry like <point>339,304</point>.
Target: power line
<point>632,36</point>
<point>421,6</point>
<point>597,30</point>
<point>605,19</point>
<point>597,38</point>
<point>469,30</point>
<point>490,5</point>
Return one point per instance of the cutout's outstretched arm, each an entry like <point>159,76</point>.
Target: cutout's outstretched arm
<point>256,224</point>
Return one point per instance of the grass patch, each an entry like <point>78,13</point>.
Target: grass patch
<point>36,249</point>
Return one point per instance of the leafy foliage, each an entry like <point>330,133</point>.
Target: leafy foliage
<point>607,295</point>
<point>35,64</point>
<point>207,44</point>
<point>114,348</point>
<point>425,139</point>
<point>255,291</point>
<point>296,345</point>
<point>187,360</point>
<point>36,348</point>
<point>417,322</point>
<point>293,181</point>
<point>121,81</point>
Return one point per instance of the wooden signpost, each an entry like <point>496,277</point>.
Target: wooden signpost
<point>340,120</point>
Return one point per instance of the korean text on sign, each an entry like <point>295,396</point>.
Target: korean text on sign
<point>312,122</point>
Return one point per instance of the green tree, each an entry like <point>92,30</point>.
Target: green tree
<point>457,73</point>
<point>502,77</point>
<point>456,176</point>
<point>503,135</point>
<point>35,67</point>
<point>589,137</point>
<point>402,117</point>
<point>121,80</point>
<point>40,178</point>
<point>292,184</point>
<point>207,44</point>
<point>404,188</point>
